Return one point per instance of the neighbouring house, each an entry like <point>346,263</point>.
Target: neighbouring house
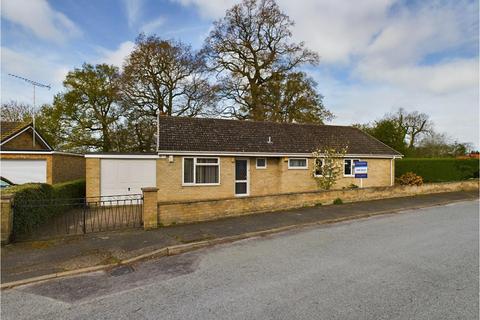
<point>26,156</point>
<point>202,159</point>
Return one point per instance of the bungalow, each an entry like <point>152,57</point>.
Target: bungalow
<point>26,156</point>
<point>201,159</point>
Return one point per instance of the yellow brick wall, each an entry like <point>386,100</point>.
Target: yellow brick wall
<point>192,211</point>
<point>276,178</point>
<point>24,141</point>
<point>67,167</point>
<point>169,181</point>
<point>6,221</point>
<point>92,176</point>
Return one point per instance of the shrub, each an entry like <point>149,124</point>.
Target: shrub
<point>34,203</point>
<point>337,201</point>
<point>410,179</point>
<point>438,169</point>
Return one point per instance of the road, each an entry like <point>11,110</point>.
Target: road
<point>420,264</point>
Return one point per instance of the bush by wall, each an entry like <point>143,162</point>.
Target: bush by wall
<point>36,203</point>
<point>438,169</point>
<point>410,179</point>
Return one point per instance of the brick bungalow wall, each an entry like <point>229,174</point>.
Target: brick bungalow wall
<point>275,179</point>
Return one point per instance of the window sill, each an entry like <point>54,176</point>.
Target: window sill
<point>200,184</point>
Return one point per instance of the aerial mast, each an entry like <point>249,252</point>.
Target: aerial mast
<point>34,84</point>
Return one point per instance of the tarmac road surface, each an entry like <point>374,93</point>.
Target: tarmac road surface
<point>421,264</point>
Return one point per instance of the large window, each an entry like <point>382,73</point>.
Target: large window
<point>348,167</point>
<point>203,171</point>
<point>297,163</point>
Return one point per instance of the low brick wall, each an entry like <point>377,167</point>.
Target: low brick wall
<point>192,211</point>
<point>6,223</point>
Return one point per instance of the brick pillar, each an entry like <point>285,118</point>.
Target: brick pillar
<point>6,218</point>
<point>150,208</point>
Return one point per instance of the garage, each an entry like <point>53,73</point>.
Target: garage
<point>23,171</point>
<point>126,176</point>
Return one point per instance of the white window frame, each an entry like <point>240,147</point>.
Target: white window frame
<point>298,168</point>
<point>194,183</point>
<point>323,163</point>
<point>256,163</point>
<point>352,166</point>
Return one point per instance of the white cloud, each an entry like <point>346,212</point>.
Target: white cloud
<point>439,78</point>
<point>210,9</point>
<point>133,9</point>
<point>116,57</point>
<point>39,18</point>
<point>153,25</point>
<point>455,112</point>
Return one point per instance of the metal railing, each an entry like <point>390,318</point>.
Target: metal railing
<point>76,216</point>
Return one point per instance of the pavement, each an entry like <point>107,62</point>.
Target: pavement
<point>421,264</point>
<point>25,260</point>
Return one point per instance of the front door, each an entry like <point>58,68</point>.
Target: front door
<point>241,177</point>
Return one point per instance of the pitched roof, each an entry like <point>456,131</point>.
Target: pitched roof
<point>9,128</point>
<point>200,134</point>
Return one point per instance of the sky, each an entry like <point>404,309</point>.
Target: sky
<point>375,55</point>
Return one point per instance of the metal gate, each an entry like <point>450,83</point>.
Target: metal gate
<point>77,216</point>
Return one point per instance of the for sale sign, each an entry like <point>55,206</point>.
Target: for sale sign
<point>360,169</point>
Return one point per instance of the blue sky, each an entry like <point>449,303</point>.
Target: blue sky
<point>376,56</point>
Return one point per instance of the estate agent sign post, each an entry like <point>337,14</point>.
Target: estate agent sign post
<point>361,171</point>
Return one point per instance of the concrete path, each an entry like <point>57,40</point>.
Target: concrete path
<point>30,259</point>
<point>422,264</point>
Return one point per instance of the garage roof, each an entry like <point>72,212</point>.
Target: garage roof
<point>221,135</point>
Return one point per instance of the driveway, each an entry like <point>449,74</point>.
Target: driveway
<point>422,264</point>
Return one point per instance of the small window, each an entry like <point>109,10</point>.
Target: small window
<point>348,167</point>
<point>261,163</point>
<point>297,163</point>
<point>318,167</point>
<point>201,171</point>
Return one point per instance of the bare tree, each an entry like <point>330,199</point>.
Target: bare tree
<point>414,125</point>
<point>164,76</point>
<point>15,111</point>
<point>248,48</point>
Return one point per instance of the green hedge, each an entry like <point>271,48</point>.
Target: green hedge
<point>36,203</point>
<point>438,169</point>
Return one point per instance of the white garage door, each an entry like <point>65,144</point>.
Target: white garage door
<point>23,171</point>
<point>122,176</point>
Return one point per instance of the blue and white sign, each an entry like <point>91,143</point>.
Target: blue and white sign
<point>360,169</point>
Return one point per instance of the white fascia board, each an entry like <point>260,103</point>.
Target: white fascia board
<point>264,154</point>
<point>40,152</point>
<point>123,156</point>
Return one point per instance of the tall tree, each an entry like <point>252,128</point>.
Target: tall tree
<point>387,131</point>
<point>415,125</point>
<point>88,108</point>
<point>166,77</point>
<point>293,98</point>
<point>400,130</point>
<point>15,111</point>
<point>250,47</point>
